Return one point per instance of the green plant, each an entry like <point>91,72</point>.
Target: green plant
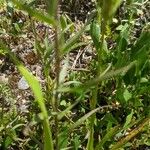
<point>112,99</point>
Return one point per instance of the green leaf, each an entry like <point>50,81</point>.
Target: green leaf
<point>52,7</point>
<point>8,142</point>
<point>63,103</point>
<point>67,110</point>
<point>122,42</point>
<point>37,90</point>
<point>64,70</point>
<point>63,22</point>
<point>73,41</point>
<point>82,119</point>
<point>109,8</point>
<point>144,80</point>
<point>17,28</point>
<point>129,78</point>
<point>63,139</point>
<point>48,49</point>
<point>128,119</point>
<point>74,46</point>
<point>127,95</point>
<point>35,13</point>
<point>77,142</point>
<point>109,118</point>
<point>102,77</point>
<point>95,33</point>
<point>107,137</point>
<point>140,51</point>
<point>143,41</point>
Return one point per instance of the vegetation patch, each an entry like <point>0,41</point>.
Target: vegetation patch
<point>75,74</point>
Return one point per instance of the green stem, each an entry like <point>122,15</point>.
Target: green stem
<point>93,101</point>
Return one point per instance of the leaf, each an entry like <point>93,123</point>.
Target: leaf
<point>107,137</point>
<point>74,46</point>
<point>8,142</point>
<point>122,42</point>
<point>128,119</point>
<point>132,134</point>
<point>129,77</point>
<point>77,142</point>
<point>72,42</point>
<point>144,80</point>
<point>109,118</point>
<point>109,8</point>
<point>64,71</point>
<point>127,95</point>
<point>37,90</point>
<point>95,33</point>
<point>82,119</point>
<point>63,139</point>
<point>63,22</point>
<point>52,7</point>
<point>63,103</point>
<point>102,77</point>
<point>63,113</point>
<point>140,51</point>
<point>143,41</point>
<point>33,12</point>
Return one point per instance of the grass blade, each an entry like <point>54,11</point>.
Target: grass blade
<point>33,12</point>
<point>37,90</point>
<point>82,119</point>
<point>132,134</point>
<point>107,137</point>
<point>102,77</point>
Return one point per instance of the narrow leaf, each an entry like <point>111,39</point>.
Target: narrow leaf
<point>128,119</point>
<point>132,134</point>
<point>109,8</point>
<point>37,90</point>
<point>95,33</point>
<point>93,82</point>
<point>107,137</point>
<point>82,119</point>
<point>33,12</point>
<point>52,7</point>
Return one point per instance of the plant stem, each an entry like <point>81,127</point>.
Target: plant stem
<point>57,71</point>
<point>93,101</point>
<point>132,134</point>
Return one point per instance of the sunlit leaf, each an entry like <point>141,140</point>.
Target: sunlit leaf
<point>37,90</point>
<point>127,95</point>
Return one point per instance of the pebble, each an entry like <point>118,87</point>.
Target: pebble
<point>22,84</point>
<point>3,79</point>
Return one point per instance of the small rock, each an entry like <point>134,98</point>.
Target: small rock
<point>3,79</point>
<point>22,84</point>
